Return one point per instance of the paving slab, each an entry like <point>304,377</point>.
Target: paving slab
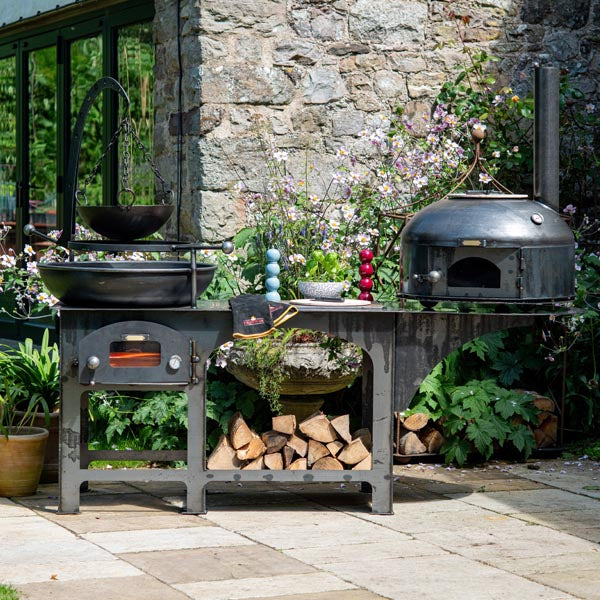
<point>563,519</point>
<point>489,545</point>
<point>213,564</point>
<point>449,577</point>
<point>530,501</point>
<point>583,583</point>
<point>61,570</point>
<point>338,595</point>
<point>373,550</point>
<point>263,587</point>
<point>549,564</point>
<point>8,508</point>
<point>122,502</point>
<point>150,540</point>
<point>581,476</point>
<point>117,588</point>
<point>311,529</point>
<point>100,521</point>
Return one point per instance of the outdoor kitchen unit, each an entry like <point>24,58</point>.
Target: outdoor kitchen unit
<point>492,246</point>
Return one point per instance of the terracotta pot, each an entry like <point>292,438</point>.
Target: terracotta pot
<point>50,468</point>
<point>21,460</point>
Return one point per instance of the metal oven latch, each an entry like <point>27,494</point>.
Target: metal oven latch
<point>194,360</point>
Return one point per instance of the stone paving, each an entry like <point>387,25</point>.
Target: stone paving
<point>503,531</point>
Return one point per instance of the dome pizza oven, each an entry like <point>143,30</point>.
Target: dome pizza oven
<point>497,247</point>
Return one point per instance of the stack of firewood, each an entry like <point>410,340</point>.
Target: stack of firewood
<point>414,435</point>
<point>315,443</point>
<point>546,432</point>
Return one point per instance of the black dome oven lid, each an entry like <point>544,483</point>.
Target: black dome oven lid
<point>494,219</point>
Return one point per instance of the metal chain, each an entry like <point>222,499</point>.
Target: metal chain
<point>126,127</point>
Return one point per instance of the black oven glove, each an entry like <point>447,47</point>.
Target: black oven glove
<point>254,316</point>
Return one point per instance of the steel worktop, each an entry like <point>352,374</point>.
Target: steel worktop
<point>400,348</point>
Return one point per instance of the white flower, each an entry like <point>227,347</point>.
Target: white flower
<point>364,239</point>
<point>221,362</point>
<point>496,153</point>
<point>297,259</point>
<point>484,178</point>
<point>32,268</point>
<point>385,189</point>
<point>314,199</point>
<point>28,250</point>
<point>226,346</point>
<point>280,156</point>
<point>8,261</point>
<point>590,108</point>
<point>334,224</point>
<point>342,152</point>
<point>479,127</point>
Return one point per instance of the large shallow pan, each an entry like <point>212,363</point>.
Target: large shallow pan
<point>125,283</point>
<point>125,223</point>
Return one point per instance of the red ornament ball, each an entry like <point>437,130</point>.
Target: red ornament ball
<point>365,296</point>
<point>365,284</point>
<point>365,255</point>
<point>365,269</point>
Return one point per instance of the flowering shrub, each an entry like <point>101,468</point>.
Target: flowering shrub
<point>356,206</point>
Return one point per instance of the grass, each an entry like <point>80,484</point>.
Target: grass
<point>8,592</point>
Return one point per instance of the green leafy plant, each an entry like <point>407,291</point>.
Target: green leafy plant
<point>30,381</point>
<point>478,417</point>
<point>323,266</point>
<point>8,592</point>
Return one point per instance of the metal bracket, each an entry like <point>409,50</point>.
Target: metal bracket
<point>194,360</point>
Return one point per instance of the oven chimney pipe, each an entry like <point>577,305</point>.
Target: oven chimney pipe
<point>546,136</point>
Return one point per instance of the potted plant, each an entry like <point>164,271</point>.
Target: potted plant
<point>22,446</point>
<point>293,369</point>
<point>325,276</point>
<point>31,378</point>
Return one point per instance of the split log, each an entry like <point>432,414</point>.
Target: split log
<point>334,447</point>
<point>542,416</point>
<point>316,450</point>
<point>223,456</point>
<point>364,465</point>
<point>274,441</point>
<point>433,440</point>
<point>288,455</point>
<point>328,463</point>
<point>252,450</point>
<point>415,422</point>
<point>274,461</point>
<point>550,427</point>
<point>318,427</point>
<point>542,440</point>
<point>299,445</point>
<point>300,464</point>
<point>354,452</point>
<point>544,403</point>
<point>239,433</point>
<point>365,435</point>
<point>342,426</point>
<point>410,444</point>
<point>284,424</point>
<point>256,464</point>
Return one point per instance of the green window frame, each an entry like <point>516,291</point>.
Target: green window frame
<point>18,42</point>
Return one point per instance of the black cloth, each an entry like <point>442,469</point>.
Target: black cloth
<point>254,316</point>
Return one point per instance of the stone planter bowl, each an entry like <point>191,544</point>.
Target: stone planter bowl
<point>321,289</point>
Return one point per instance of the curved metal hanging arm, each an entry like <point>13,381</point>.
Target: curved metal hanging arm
<point>105,83</point>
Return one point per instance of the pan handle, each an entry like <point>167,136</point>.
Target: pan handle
<point>105,83</point>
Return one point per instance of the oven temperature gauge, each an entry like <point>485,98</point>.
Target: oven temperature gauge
<point>175,362</point>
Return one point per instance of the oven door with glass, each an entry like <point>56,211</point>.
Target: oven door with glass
<point>134,352</point>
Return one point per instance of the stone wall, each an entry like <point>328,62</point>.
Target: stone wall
<point>319,70</point>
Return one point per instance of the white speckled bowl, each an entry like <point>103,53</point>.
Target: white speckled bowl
<point>321,289</point>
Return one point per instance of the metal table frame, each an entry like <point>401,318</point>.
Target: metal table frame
<point>400,348</point>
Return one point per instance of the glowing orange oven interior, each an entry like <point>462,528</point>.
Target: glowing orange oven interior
<point>129,354</point>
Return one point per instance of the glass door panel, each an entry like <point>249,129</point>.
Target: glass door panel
<point>86,68</point>
<point>136,75</point>
<point>42,138</point>
<point>8,150</point>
